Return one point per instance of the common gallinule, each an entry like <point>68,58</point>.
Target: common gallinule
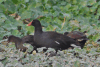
<point>18,42</point>
<point>78,36</point>
<point>50,39</point>
<point>28,39</point>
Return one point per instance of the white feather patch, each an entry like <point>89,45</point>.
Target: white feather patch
<point>57,42</point>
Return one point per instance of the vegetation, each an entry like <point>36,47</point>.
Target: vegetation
<point>55,15</point>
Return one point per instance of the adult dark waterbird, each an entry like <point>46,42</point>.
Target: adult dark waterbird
<point>50,39</point>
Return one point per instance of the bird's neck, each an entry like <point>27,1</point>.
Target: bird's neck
<point>38,29</point>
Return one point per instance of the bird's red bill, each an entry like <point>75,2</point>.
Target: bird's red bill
<point>29,23</point>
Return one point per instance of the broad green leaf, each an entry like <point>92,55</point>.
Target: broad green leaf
<point>15,32</point>
<point>15,1</point>
<point>26,0</point>
<point>25,15</point>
